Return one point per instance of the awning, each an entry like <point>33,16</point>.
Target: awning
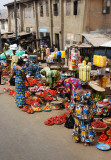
<point>97,39</point>
<point>82,45</point>
<point>107,44</point>
<point>19,35</point>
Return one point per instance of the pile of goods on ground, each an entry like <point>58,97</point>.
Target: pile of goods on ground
<point>56,120</point>
<point>98,124</point>
<point>105,137</point>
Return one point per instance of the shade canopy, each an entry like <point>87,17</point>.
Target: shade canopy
<point>107,44</point>
<point>10,52</point>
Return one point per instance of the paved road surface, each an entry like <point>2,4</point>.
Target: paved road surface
<point>25,137</point>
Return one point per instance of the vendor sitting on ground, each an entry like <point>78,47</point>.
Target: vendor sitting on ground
<point>52,77</point>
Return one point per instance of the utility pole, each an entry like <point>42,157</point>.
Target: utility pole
<point>15,14</point>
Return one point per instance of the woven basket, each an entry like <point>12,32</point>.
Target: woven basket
<point>99,129</point>
<point>107,123</point>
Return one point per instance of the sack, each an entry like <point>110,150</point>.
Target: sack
<point>70,122</point>
<point>12,81</point>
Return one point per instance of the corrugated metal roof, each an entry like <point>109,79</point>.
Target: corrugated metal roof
<point>97,39</point>
<point>17,1</point>
<point>4,18</point>
<point>10,3</point>
<point>82,45</point>
<point>107,44</point>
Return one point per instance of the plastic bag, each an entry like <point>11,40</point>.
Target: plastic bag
<point>70,122</point>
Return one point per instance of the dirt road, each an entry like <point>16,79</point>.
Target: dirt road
<point>25,137</point>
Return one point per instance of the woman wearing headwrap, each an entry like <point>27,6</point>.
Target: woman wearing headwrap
<point>52,77</point>
<point>20,78</point>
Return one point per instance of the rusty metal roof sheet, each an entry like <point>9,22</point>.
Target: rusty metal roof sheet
<point>97,39</point>
<point>82,45</point>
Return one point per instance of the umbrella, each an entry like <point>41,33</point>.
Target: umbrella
<point>10,52</point>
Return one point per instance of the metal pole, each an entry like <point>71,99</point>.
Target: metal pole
<point>0,39</point>
<point>51,22</point>
<point>15,14</point>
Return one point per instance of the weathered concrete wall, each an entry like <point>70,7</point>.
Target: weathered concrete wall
<point>44,22</point>
<point>29,21</point>
<point>5,29</point>
<point>95,20</point>
<point>90,18</point>
<point>73,24</point>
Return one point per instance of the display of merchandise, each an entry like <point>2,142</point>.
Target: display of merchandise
<point>99,61</point>
<point>74,60</point>
<point>84,73</point>
<point>56,56</point>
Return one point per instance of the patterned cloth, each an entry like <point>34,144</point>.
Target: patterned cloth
<point>71,85</point>
<point>20,87</point>
<point>33,70</point>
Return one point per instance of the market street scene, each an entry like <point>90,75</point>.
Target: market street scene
<point>55,79</point>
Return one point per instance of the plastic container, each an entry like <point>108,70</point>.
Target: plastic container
<point>70,65</point>
<point>62,54</point>
<point>84,63</point>
<point>59,53</point>
<point>84,73</point>
<point>94,60</point>
<point>102,61</point>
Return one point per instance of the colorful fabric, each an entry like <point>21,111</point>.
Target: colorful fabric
<point>20,87</point>
<point>71,85</point>
<point>33,70</point>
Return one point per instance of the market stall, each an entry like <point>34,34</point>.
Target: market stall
<point>84,98</point>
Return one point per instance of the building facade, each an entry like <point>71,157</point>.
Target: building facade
<point>4,25</point>
<point>61,20</point>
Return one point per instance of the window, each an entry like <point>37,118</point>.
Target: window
<point>41,9</point>
<point>12,14</point>
<point>47,34</point>
<point>41,35</point>
<point>28,11</point>
<point>57,1</point>
<point>25,12</point>
<point>67,42</point>
<point>106,7</point>
<point>3,25</point>
<point>47,9</point>
<point>56,8</point>
<point>76,7</point>
<point>68,7</point>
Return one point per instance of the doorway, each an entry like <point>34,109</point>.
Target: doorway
<point>57,41</point>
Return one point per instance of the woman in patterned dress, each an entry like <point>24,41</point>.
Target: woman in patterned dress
<point>20,83</point>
